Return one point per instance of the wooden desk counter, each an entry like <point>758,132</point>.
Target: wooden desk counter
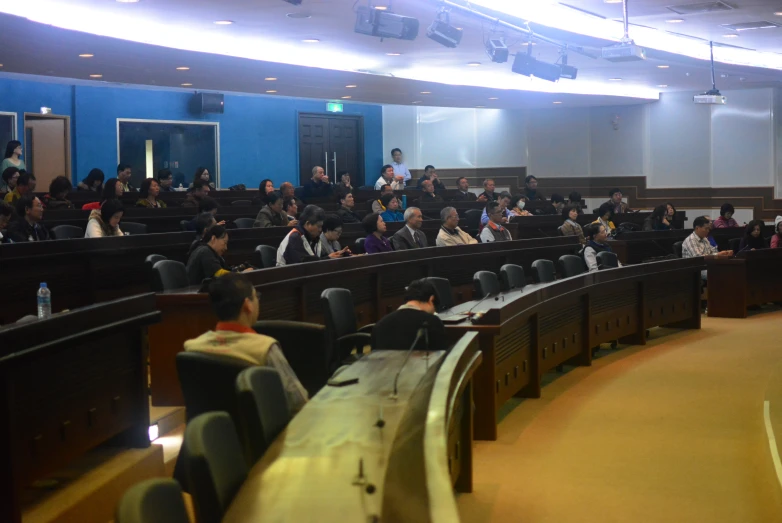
<point>410,465</point>
<point>750,278</point>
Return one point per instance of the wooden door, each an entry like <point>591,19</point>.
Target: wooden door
<point>344,149</point>
<point>47,149</point>
<point>332,142</point>
<point>313,145</point>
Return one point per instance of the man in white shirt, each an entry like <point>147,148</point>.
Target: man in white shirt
<point>400,169</point>
<point>387,177</point>
<point>697,243</point>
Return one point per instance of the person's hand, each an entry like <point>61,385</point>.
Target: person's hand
<point>504,219</point>
<point>335,255</point>
<point>725,253</point>
<point>248,269</point>
<point>220,223</point>
<point>293,223</point>
<point>482,198</point>
<point>399,178</point>
<point>665,220</point>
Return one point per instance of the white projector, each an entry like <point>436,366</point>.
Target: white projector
<point>625,52</point>
<point>710,98</point>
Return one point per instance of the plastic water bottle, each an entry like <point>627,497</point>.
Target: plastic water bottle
<point>404,201</point>
<point>44,302</point>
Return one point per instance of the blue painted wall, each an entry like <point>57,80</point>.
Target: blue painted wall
<point>258,134</point>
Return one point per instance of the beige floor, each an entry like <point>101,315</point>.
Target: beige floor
<point>670,432</point>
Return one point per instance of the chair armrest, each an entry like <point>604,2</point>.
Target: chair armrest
<point>357,340</point>
<point>367,328</point>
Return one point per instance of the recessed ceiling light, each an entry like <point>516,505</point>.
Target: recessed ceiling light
<point>426,92</point>
<point>347,97</point>
<point>271,91</point>
<point>381,7</point>
<point>480,106</point>
<point>416,102</point>
<point>351,86</point>
<point>663,66</point>
<point>493,98</point>
<point>473,64</point>
<point>224,22</point>
<point>127,1</point>
<point>311,41</point>
<point>778,13</point>
<point>270,79</point>
<point>186,85</point>
<point>300,15</point>
<point>393,54</point>
<point>675,20</point>
<point>614,79</point>
<point>96,76</point>
<point>612,1</point>
<point>730,36</point>
<point>183,68</point>
<point>663,85</point>
<point>86,55</point>
<point>528,43</point>
<point>741,78</point>
<point>556,102</point>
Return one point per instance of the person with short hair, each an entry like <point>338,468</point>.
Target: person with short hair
<point>391,209</point>
<point>410,236</point>
<point>24,185</point>
<point>753,237</point>
<point>27,226</point>
<point>516,209</point>
<point>597,241</point>
<point>400,169</point>
<point>150,190</point>
<point>345,212</point>
<point>697,243</point>
<point>302,244</point>
<point>289,193</point>
<point>235,303</point>
<point>604,216</point>
<point>575,198</point>
<point>375,228</point>
<point>329,238</point>
<point>58,194</point>
<point>123,175</point>
<point>201,223</point>
<point>726,217</point>
<point>378,206</point>
<point>93,182</point>
<point>9,179</point>
<point>399,330</point>
<point>464,194</point>
<point>450,234</point>
<point>571,227</point>
<point>206,260</point>
<point>165,179</point>
<point>430,173</point>
<point>488,190</point>
<point>318,187</point>
<point>615,199</point>
<point>387,178</point>
<point>6,213</point>
<point>558,202</point>
<point>776,240</point>
<point>531,189</point>
<point>429,196</point>
<point>199,190</point>
<point>291,208</point>
<point>105,221</point>
<point>343,187</point>
<point>272,214</point>
<point>13,156</point>
<point>210,205</point>
<point>503,200</point>
<point>494,231</point>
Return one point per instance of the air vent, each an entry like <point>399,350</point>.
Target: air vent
<point>747,26</point>
<point>696,9</point>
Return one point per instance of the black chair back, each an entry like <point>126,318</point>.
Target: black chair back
<point>340,317</point>
<point>133,228</point>
<point>472,220</point>
<point>358,248</point>
<point>485,283</point>
<point>239,203</point>
<point>629,226</point>
<point>265,256</point>
<point>570,265</point>
<point>512,277</point>
<point>263,409</point>
<point>444,293</point>
<point>677,249</point>
<point>214,464</point>
<point>542,271</point>
<point>607,260</point>
<point>207,382</point>
<point>735,244</point>
<point>168,275</point>
<point>157,500</point>
<point>244,223</point>
<point>67,232</point>
<point>152,259</point>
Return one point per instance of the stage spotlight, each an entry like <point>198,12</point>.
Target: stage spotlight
<point>442,32</point>
<point>528,66</point>
<point>385,24</point>
<point>497,50</point>
<point>568,71</point>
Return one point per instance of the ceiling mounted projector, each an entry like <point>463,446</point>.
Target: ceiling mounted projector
<point>442,32</point>
<point>713,95</point>
<point>385,24</point>
<point>528,66</point>
<point>626,50</point>
<point>497,50</point>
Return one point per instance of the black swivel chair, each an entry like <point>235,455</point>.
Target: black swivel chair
<point>486,283</point>
<point>472,220</point>
<point>157,500</point>
<point>168,275</point>
<point>133,228</point>
<point>214,464</point>
<point>244,223</point>
<point>265,256</point>
<point>570,265</point>
<point>442,287</point>
<point>340,319</point>
<point>735,244</point>
<point>152,259</point>
<point>358,248</point>
<point>607,260</point>
<point>677,249</point>
<point>542,271</point>
<point>67,232</point>
<point>239,203</point>
<point>263,409</point>
<point>512,277</point>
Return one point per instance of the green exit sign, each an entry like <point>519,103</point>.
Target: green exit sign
<point>334,107</point>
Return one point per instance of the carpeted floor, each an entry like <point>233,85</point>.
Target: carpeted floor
<point>670,432</point>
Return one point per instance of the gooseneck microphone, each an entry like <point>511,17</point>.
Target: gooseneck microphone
<point>423,332</point>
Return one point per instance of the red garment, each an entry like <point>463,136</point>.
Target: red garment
<point>233,327</point>
<point>90,206</point>
<point>776,242</point>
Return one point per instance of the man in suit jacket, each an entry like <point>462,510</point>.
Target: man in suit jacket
<point>410,236</point>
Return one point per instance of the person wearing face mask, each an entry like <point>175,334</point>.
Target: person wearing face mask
<point>202,173</point>
<point>105,221</point>
<point>518,207</point>
<point>303,244</point>
<point>726,218</point>
<point>571,227</point>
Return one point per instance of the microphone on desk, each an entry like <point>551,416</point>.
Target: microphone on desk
<point>477,316</point>
<point>423,332</point>
<point>748,247</point>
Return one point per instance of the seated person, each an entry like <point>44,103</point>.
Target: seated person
<point>410,236</point>
<point>8,183</point>
<point>450,233</point>
<point>329,238</point>
<point>199,191</point>
<point>272,215</point>
<point>517,208</point>
<point>26,227</point>
<point>58,194</point>
<point>571,227</point>
<point>615,199</point>
<point>494,231</point>
<point>6,213</point>
<point>726,218</point>
<point>697,243</point>
<point>344,187</point>
<point>464,194</point>
<point>149,191</point>
<point>428,195</point>
<point>604,215</point>
<point>670,213</point>
<point>575,198</point>
<point>105,221</point>
<point>112,190</point>
<point>24,185</point>
<point>377,205</point>
<point>165,179</point>
<point>289,192</point>
<point>302,244</point>
<point>291,209</point>
<point>345,212</point>
<point>531,189</point>
<point>503,200</point>
<point>202,173</point>
<point>319,187</point>
<point>391,212</point>
<point>776,240</point>
<point>235,303</point>
<point>753,237</point>
<point>430,173</point>
<point>387,177</point>
<point>376,228</point>
<point>488,191</point>
<point>398,330</point>
<point>206,260</point>
<point>265,187</point>
<point>203,221</point>
<point>658,220</point>
<point>597,242</point>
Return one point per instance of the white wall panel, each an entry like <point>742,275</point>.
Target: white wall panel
<point>446,137</point>
<point>558,142</point>
<point>400,130</point>
<point>500,138</point>
<point>742,139</point>
<point>617,140</point>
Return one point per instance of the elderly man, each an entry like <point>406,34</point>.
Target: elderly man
<point>464,194</point>
<point>450,234</point>
<point>410,236</point>
<point>428,195</point>
<point>488,191</point>
<point>289,193</point>
<point>319,186</point>
<point>346,212</point>
<point>697,243</point>
<point>27,226</point>
<point>387,177</point>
